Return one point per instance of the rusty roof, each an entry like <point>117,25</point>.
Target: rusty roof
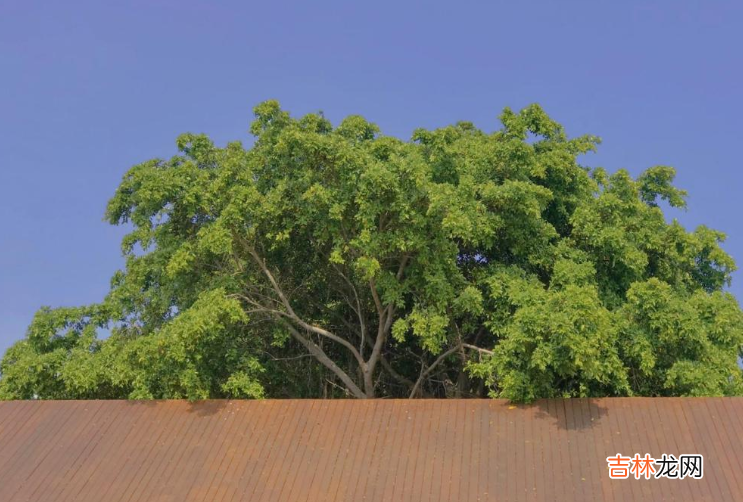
<point>396,450</point>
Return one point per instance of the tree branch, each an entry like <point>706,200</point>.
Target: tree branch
<point>428,370</point>
<point>441,358</point>
<point>480,350</point>
<point>321,356</point>
<point>397,376</point>
<point>294,317</point>
<point>359,311</point>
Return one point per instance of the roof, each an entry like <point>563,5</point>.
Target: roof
<point>328,450</point>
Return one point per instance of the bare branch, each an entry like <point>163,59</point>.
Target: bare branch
<point>428,370</point>
<point>377,301</point>
<point>480,350</point>
<point>359,311</point>
<point>321,356</point>
<point>386,315</point>
<point>397,376</point>
<point>401,269</point>
<point>294,317</point>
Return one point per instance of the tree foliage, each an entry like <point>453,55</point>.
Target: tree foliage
<point>336,261</point>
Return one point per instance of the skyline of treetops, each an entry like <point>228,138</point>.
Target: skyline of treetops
<point>335,261</point>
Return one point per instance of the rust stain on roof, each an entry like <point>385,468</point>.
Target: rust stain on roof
<point>343,450</point>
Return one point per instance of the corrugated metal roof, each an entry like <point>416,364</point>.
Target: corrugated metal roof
<point>396,450</point>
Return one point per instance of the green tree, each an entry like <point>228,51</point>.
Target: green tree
<point>338,261</point>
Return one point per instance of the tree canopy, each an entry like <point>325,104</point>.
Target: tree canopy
<point>336,261</point>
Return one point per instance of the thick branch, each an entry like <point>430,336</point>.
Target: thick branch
<point>397,376</point>
<point>321,356</point>
<point>401,269</point>
<point>386,315</point>
<point>377,301</point>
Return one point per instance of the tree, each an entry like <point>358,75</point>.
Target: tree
<point>338,261</point>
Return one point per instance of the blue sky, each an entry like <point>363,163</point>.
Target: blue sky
<point>88,89</point>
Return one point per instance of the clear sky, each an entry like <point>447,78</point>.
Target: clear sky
<point>88,89</point>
